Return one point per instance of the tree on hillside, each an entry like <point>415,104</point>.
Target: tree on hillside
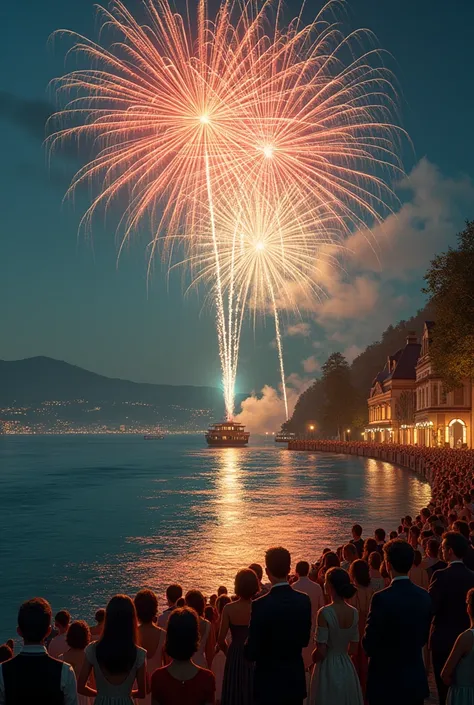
<point>450,285</point>
<point>339,395</point>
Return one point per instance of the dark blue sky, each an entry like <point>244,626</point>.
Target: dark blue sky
<point>65,297</point>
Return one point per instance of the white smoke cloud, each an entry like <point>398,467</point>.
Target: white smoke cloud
<point>265,412</point>
<point>311,364</point>
<point>301,328</point>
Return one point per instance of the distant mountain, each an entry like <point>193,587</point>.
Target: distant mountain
<point>42,385</point>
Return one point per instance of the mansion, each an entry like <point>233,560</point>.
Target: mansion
<point>408,403</point>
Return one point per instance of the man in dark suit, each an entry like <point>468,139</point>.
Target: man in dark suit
<point>462,527</point>
<point>448,590</point>
<point>280,627</point>
<point>397,629</point>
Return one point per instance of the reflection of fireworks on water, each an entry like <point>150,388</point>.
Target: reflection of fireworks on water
<point>243,105</point>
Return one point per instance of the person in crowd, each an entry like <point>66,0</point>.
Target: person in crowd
<point>258,570</point>
<point>315,594</point>
<point>330,560</point>
<point>34,676</point>
<point>237,688</point>
<point>402,532</point>
<point>418,574</point>
<point>359,574</point>
<point>213,600</point>
<point>203,657</point>
<point>222,590</point>
<point>458,672</point>
<point>337,639</point>
<point>349,555</point>
<point>448,589</point>
<point>393,535</point>
<point>182,682</point>
<point>77,638</point>
<point>414,537</point>
<point>377,582</point>
<point>397,629</point>
<point>218,662</point>
<point>150,636</point>
<point>370,546</point>
<point>357,539</point>
<point>462,527</point>
<point>432,562</point>
<point>96,630</point>
<point>61,623</point>
<point>280,627</point>
<point>379,535</point>
<point>116,660</point>
<point>6,652</point>
<point>173,594</point>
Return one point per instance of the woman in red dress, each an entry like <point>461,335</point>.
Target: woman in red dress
<point>182,682</point>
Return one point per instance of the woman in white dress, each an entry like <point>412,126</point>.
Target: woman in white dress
<point>116,659</point>
<point>77,638</point>
<point>150,637</point>
<point>204,655</point>
<point>335,680</point>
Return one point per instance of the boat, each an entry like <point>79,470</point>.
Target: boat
<point>284,437</point>
<point>154,436</point>
<point>227,434</point>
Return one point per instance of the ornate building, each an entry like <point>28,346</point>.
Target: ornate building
<point>408,403</point>
<point>391,401</point>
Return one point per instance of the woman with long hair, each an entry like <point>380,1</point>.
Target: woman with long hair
<point>150,636</point>
<point>370,546</point>
<point>360,576</point>
<point>207,643</point>
<point>334,677</point>
<point>116,659</point>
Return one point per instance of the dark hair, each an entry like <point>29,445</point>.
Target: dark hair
<point>393,535</point>
<point>209,613</point>
<point>278,562</point>
<point>380,534</point>
<point>414,531</point>
<point>222,590</point>
<point>331,560</point>
<point>433,547</point>
<point>359,573</point>
<point>221,602</point>
<point>116,649</point>
<point>457,543</point>
<point>438,530</point>
<point>173,593</point>
<point>257,569</point>
<point>5,653</point>
<point>375,560</point>
<point>357,530</point>
<point>399,554</point>
<point>462,527</point>
<point>302,569</point>
<point>100,615</point>
<point>341,582</point>
<point>146,605</point>
<point>370,545</point>
<point>470,600</point>
<point>34,620</point>
<point>180,602</point>
<point>78,635</point>
<point>182,635</point>
<point>417,557</point>
<point>62,617</point>
<point>195,600</point>
<point>246,584</point>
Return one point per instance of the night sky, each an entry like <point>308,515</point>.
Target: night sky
<point>65,297</point>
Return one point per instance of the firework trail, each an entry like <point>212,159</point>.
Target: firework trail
<point>192,117</point>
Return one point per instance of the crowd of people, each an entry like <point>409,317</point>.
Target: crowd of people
<point>364,623</point>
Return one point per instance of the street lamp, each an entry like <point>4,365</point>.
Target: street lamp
<point>348,434</point>
<point>311,429</point>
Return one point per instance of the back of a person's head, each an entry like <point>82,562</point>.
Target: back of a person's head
<point>100,615</point>
<point>375,560</point>
<point>438,530</point>
<point>393,535</point>
<point>257,569</point>
<point>380,534</point>
<point>357,530</point>
<point>370,545</point>
<point>400,555</point>
<point>340,581</point>
<point>359,573</point>
<point>470,602</point>
<point>462,527</point>
<point>146,605</point>
<point>331,560</point>
<point>180,602</point>
<point>414,531</point>
<point>417,557</point>
<point>182,635</point>
<point>5,653</point>
<point>246,584</point>
<point>116,650</point>
<point>222,590</point>
<point>195,600</point>
<point>457,543</point>
<point>278,562</point>
<point>34,620</point>
<point>62,618</point>
<point>302,569</point>
<point>209,613</point>
<point>173,593</point>
<point>222,601</point>
<point>432,548</point>
<point>349,551</point>
<point>78,635</point>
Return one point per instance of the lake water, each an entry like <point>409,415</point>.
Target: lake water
<point>84,517</point>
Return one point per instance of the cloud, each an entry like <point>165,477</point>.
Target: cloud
<point>300,328</point>
<point>348,299</point>
<point>311,365</point>
<point>29,114</point>
<point>265,412</point>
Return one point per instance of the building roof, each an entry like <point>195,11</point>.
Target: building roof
<point>402,365</point>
